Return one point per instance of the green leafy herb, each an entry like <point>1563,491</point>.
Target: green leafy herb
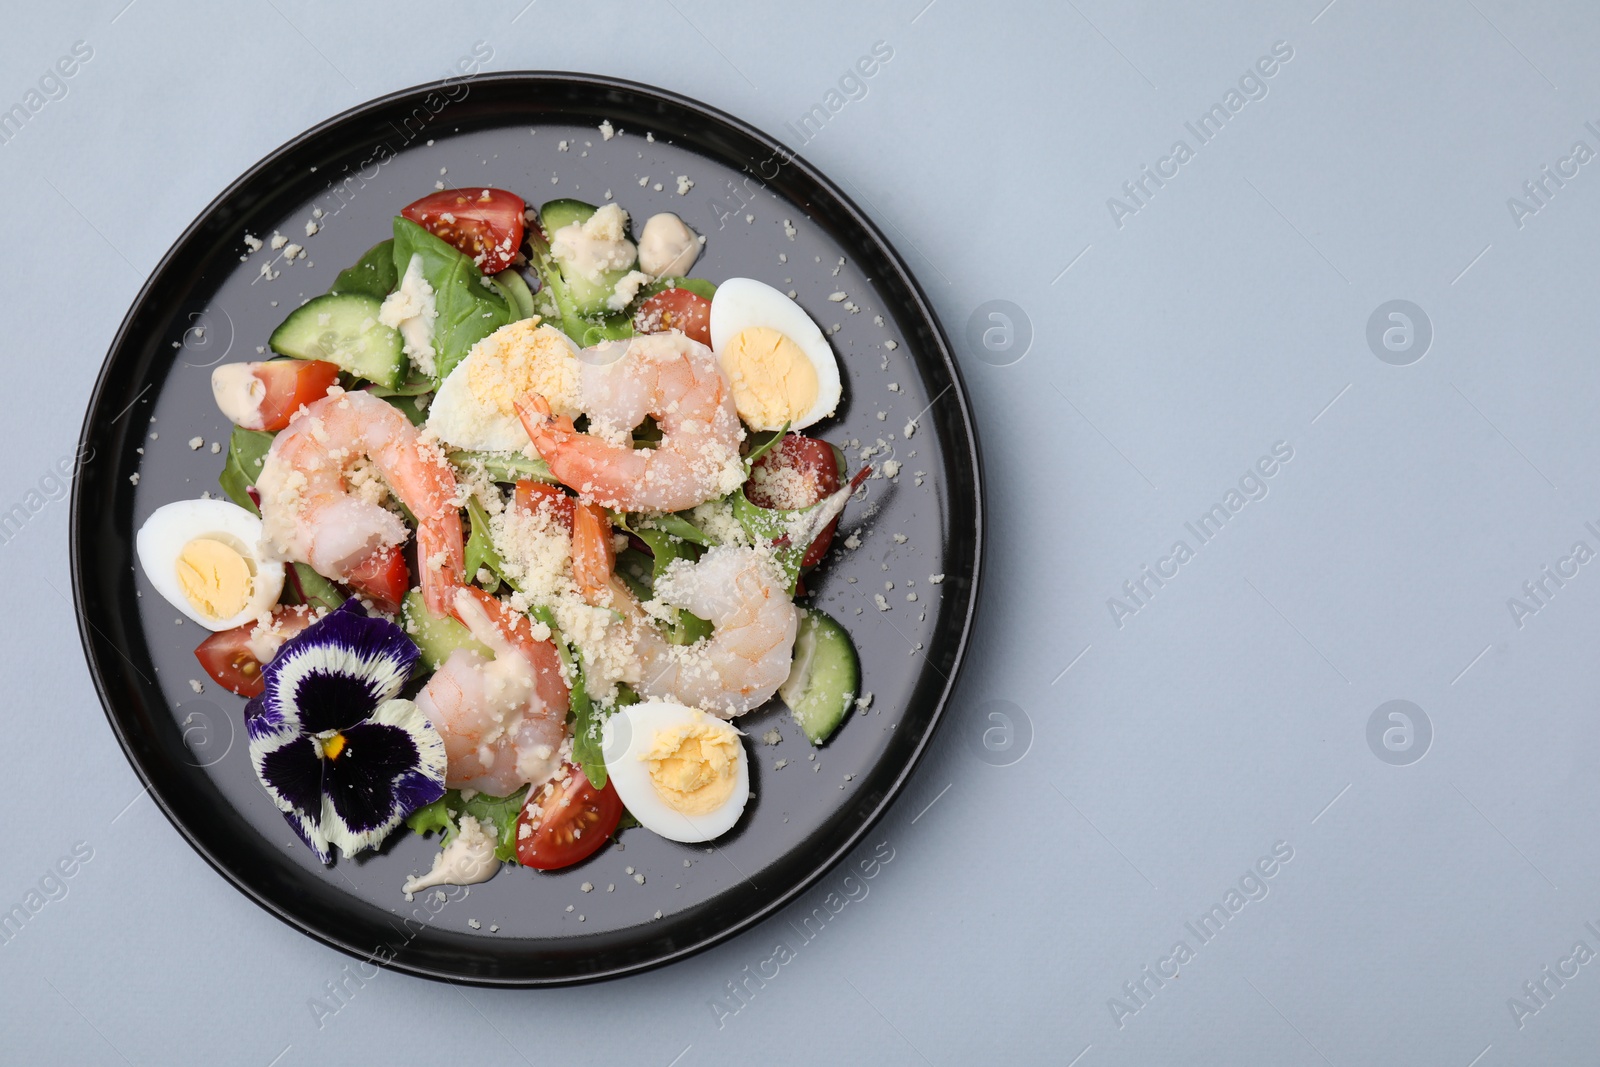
<point>443,817</point>
<point>372,274</point>
<point>686,628</point>
<point>468,311</point>
<point>435,818</point>
<point>679,527</point>
<point>481,552</point>
<point>514,288</point>
<point>504,466</point>
<point>246,451</point>
<point>773,524</point>
<point>763,448</point>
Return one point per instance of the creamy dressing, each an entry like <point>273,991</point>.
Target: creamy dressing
<point>239,393</point>
<point>626,289</point>
<point>592,248</point>
<point>667,246</point>
<point>411,309</point>
<point>467,860</point>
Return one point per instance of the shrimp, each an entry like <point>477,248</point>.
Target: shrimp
<point>737,589</point>
<point>670,378</point>
<point>310,513</point>
<point>502,720</point>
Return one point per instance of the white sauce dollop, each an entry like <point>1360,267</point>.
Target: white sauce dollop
<point>667,246</point>
<point>467,860</point>
<point>239,393</point>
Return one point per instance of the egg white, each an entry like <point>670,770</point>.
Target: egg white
<point>628,734</point>
<point>174,525</point>
<point>459,419</point>
<point>741,304</point>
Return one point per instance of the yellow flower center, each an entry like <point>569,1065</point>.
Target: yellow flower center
<point>333,746</point>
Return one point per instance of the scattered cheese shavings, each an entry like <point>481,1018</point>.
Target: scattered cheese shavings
<point>877,598</point>
<point>607,131</point>
<point>684,184</point>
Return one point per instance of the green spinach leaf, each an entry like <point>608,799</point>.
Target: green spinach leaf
<point>247,449</point>
<point>468,305</point>
<point>372,274</point>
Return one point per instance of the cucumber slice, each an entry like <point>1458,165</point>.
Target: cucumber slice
<point>436,635</point>
<point>588,297</point>
<point>825,677</point>
<point>343,328</point>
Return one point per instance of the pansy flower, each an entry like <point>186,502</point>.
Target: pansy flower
<point>344,759</point>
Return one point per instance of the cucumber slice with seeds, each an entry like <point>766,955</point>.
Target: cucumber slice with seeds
<point>825,676</point>
<point>589,297</point>
<point>343,328</point>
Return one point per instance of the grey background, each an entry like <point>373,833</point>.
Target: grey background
<point>1164,756</point>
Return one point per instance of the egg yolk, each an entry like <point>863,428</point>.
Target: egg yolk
<point>693,766</point>
<point>214,577</point>
<point>773,381</point>
<point>524,358</point>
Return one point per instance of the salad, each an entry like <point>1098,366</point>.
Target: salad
<point>516,526</point>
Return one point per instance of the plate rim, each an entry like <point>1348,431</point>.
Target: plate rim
<point>970,453</point>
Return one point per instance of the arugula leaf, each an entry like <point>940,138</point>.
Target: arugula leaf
<point>772,524</point>
<point>481,552</point>
<point>502,812</point>
<point>247,449</point>
<point>468,308</point>
<point>443,817</point>
<point>372,274</point>
<point>763,448</point>
<point>679,527</point>
<point>505,466</point>
<point>686,628</point>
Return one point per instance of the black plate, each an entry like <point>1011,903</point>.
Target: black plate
<point>208,302</point>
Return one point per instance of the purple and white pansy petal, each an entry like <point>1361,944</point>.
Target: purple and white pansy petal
<point>386,768</point>
<point>338,753</point>
<point>291,772</point>
<point>333,673</point>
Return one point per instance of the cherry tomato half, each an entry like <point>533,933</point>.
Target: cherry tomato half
<point>797,474</point>
<point>291,383</point>
<point>676,309</point>
<point>229,661</point>
<point>574,820</point>
<point>485,224</point>
<point>382,578</point>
